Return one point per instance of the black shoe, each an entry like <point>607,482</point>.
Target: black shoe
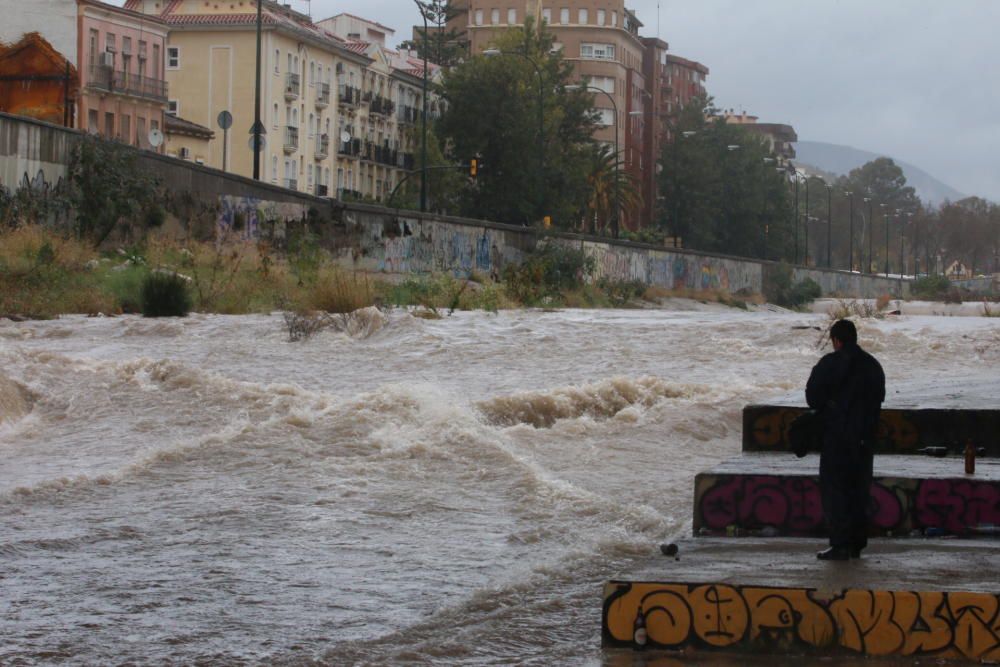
<point>834,553</point>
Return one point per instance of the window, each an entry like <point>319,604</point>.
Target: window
<point>173,107</point>
<point>564,15</point>
<point>173,57</point>
<point>605,83</point>
<point>598,51</point>
<point>93,46</point>
<point>126,129</point>
<point>109,42</point>
<point>312,72</point>
<point>547,15</point>
<point>93,121</point>
<point>495,16</point>
<point>155,73</point>
<point>614,19</point>
<point>479,17</point>
<point>143,50</point>
<point>275,118</point>
<point>512,16</point>
<point>606,117</point>
<point>291,70</point>
<point>583,17</point>
<point>109,125</point>
<point>277,61</point>
<point>600,17</point>
<point>140,132</point>
<point>274,168</point>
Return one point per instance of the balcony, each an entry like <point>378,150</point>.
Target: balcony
<point>381,106</point>
<point>408,115</point>
<point>322,95</point>
<point>291,184</point>
<point>321,190</point>
<point>292,86</point>
<point>349,96</point>
<point>121,83</point>
<point>291,139</point>
<point>350,148</point>
<point>322,147</point>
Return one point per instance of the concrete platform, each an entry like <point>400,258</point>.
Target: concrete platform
<point>778,494</point>
<point>919,597</point>
<point>901,430</point>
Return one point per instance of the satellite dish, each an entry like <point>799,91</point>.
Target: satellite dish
<point>155,138</point>
<point>345,136</point>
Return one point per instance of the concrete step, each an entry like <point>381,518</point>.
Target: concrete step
<point>901,431</point>
<point>938,599</point>
<point>778,494</point>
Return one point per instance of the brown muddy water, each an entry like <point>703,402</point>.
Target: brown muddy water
<point>410,491</point>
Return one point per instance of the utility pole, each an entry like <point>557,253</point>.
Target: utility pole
<point>256,97</point>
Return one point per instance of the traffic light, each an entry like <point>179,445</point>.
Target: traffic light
<point>473,167</point>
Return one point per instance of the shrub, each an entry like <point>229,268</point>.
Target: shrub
<point>546,272</point>
<point>931,287</point>
<point>339,292</point>
<point>780,290</point>
<point>165,295</point>
<point>620,292</point>
<point>803,292</point>
<point>126,285</point>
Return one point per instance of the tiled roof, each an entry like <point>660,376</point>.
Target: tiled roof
<point>180,126</point>
<point>357,47</point>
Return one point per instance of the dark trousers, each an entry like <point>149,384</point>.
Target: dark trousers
<point>845,480</point>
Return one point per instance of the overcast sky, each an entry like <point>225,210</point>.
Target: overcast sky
<point>918,80</point>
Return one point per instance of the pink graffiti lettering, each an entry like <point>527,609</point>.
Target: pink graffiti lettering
<point>957,504</point>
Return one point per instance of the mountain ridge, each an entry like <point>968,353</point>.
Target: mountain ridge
<point>840,160</point>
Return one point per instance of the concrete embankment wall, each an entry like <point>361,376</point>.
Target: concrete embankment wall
<point>378,239</point>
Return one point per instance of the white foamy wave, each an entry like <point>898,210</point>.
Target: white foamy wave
<point>600,400</point>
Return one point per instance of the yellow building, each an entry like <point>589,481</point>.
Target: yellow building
<point>325,106</point>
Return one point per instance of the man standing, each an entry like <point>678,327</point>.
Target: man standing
<point>847,387</point>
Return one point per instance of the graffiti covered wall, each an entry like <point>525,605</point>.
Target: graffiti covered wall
<point>792,505</point>
<point>793,620</point>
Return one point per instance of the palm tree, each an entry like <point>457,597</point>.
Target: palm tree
<point>604,173</point>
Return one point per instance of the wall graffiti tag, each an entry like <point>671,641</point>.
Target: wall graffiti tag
<point>792,505</point>
<point>246,215</point>
<point>874,623</point>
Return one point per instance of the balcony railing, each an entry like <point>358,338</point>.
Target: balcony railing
<point>322,147</point>
<point>322,95</point>
<point>350,148</point>
<point>321,190</point>
<point>408,114</point>
<point>291,184</point>
<point>381,105</point>
<point>291,139</point>
<point>292,86</point>
<point>103,78</point>
<point>349,96</point>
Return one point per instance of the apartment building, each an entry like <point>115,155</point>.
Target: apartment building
<point>600,38</point>
<point>330,94</point>
<point>381,101</point>
<point>780,138</point>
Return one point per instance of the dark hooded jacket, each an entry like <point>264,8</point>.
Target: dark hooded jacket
<point>847,387</point>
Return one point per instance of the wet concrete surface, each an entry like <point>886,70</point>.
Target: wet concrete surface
<point>896,466</point>
<point>898,564</point>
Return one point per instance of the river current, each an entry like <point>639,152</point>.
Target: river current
<point>449,491</point>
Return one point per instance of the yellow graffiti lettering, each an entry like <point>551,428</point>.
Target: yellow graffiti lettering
<point>975,618</point>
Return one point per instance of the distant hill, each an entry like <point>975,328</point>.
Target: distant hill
<point>840,160</point>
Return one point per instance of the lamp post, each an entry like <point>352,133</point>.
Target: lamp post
<point>763,205</point>
<point>871,231</point>
<point>903,223</point>
<point>807,221</point>
<point>423,139</point>
<point>794,174</point>
<point>256,97</point>
<point>850,236</point>
<point>677,187</point>
<point>829,225</point>
<point>618,202</point>
<point>493,53</point>
<point>886,239</point>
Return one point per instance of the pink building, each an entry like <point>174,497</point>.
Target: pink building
<point>121,56</point>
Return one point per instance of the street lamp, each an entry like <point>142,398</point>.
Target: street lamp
<point>886,239</point>
<point>850,237</point>
<point>763,206</point>
<point>871,232</point>
<point>423,140</point>
<point>677,199</point>
<point>829,224</point>
<point>618,202</point>
<point>493,53</point>
<point>256,130</point>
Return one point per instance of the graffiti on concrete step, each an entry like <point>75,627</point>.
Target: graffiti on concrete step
<point>873,623</point>
<point>792,505</point>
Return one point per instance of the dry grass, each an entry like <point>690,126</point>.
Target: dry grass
<point>990,311</point>
<point>656,293</point>
<point>864,309</point>
<point>337,291</point>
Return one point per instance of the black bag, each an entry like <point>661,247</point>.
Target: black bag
<point>805,433</point>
